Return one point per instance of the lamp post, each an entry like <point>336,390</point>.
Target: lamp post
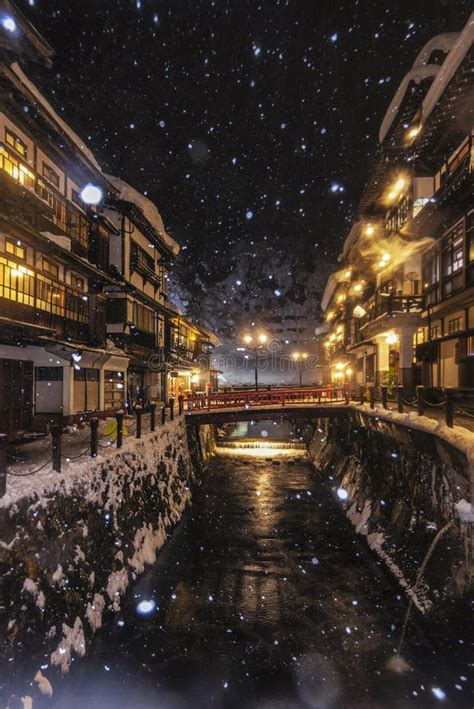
<point>299,358</point>
<point>256,344</point>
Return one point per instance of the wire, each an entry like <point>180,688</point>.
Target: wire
<point>31,472</point>
<point>465,413</point>
<point>437,406</point>
<point>75,457</point>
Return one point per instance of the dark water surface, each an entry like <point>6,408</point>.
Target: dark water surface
<point>265,598</point>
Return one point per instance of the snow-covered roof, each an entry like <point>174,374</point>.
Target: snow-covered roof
<point>351,238</point>
<point>420,70</point>
<point>129,194</point>
<point>331,285</point>
<point>449,67</point>
<point>44,103</point>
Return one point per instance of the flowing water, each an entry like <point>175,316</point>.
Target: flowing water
<point>264,597</point>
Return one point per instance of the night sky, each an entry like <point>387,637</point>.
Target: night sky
<point>250,124</point>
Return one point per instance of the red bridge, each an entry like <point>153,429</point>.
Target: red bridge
<point>266,403</point>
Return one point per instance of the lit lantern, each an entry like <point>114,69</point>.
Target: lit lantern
<point>391,338</point>
<point>91,194</point>
<point>8,23</point>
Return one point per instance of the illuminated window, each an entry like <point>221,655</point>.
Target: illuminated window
<point>14,249</point>
<point>454,325</point>
<point>16,169</point>
<point>435,332</point>
<point>51,268</point>
<point>16,143</point>
<point>50,175</point>
<point>50,296</point>
<point>114,383</point>
<point>17,282</point>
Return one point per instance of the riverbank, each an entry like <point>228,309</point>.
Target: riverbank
<point>71,543</point>
<point>263,597</point>
<point>403,480</point>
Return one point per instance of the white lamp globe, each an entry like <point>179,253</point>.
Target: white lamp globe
<point>91,194</point>
<point>8,23</point>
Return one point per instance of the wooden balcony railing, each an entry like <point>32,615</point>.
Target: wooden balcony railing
<point>391,304</point>
<point>139,264</point>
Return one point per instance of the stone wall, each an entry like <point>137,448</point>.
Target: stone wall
<point>70,544</point>
<point>403,485</point>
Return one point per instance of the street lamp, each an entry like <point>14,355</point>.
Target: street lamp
<point>91,194</point>
<point>256,344</point>
<point>299,358</point>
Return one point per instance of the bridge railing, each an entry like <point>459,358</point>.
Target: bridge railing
<point>265,397</point>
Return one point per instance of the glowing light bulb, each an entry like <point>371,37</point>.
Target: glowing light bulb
<point>399,184</point>
<point>339,366</point>
<point>9,24</point>
<point>146,607</point>
<point>370,230</point>
<point>386,257</point>
<point>391,196</point>
<point>348,372</point>
<point>342,494</point>
<point>357,288</point>
<point>391,338</point>
<point>413,132</point>
<point>91,194</point>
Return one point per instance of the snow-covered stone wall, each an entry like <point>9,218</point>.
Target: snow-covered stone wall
<point>71,544</point>
<point>401,483</point>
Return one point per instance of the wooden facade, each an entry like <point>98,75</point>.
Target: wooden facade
<point>400,310</point>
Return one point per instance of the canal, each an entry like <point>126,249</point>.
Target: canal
<point>264,597</point>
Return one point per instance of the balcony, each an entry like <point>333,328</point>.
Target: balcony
<point>70,317</point>
<point>387,310</point>
<point>139,264</point>
<point>46,210</point>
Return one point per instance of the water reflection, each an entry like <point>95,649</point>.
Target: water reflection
<point>264,597</point>
<point>273,430</point>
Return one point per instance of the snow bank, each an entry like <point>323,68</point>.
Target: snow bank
<point>458,436</point>
<point>406,477</point>
<point>101,524</point>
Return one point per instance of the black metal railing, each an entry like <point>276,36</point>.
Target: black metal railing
<point>63,446</point>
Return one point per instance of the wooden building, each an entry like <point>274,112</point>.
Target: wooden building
<point>54,357</point>
<point>400,309</point>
